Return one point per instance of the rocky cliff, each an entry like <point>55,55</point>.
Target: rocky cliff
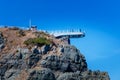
<point>26,55</point>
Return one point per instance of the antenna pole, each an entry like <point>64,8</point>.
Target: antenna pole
<point>30,24</point>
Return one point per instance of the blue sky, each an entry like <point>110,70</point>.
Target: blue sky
<point>100,19</point>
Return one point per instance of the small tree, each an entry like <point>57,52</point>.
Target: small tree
<point>37,41</point>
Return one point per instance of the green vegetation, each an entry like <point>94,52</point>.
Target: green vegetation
<point>37,41</point>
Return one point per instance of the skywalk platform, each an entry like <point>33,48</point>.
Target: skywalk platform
<point>69,34</point>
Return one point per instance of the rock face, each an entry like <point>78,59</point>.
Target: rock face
<point>44,74</point>
<point>2,41</point>
<point>69,65</point>
<point>48,62</point>
<point>70,60</point>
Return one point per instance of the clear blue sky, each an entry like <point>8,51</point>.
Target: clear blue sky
<point>99,18</point>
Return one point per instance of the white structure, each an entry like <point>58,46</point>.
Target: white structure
<point>69,34</point>
<point>32,27</point>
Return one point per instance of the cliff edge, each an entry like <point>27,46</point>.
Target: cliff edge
<point>27,55</point>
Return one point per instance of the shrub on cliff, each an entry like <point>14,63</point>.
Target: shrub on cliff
<point>37,41</point>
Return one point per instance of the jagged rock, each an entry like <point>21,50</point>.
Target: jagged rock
<point>69,76</point>
<point>2,41</point>
<point>44,74</point>
<point>2,46</point>
<point>7,57</point>
<point>33,59</point>
<point>87,75</point>
<point>30,58</point>
<point>35,50</point>
<point>3,69</point>
<point>19,55</point>
<point>22,53</point>
<point>12,64</point>
<point>70,60</point>
<point>65,67</point>
<point>95,75</point>
<point>11,74</point>
<point>9,64</point>
<point>71,52</point>
<point>45,49</point>
<point>75,57</point>
<point>51,62</point>
<point>61,49</point>
<point>58,61</point>
<point>23,50</point>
